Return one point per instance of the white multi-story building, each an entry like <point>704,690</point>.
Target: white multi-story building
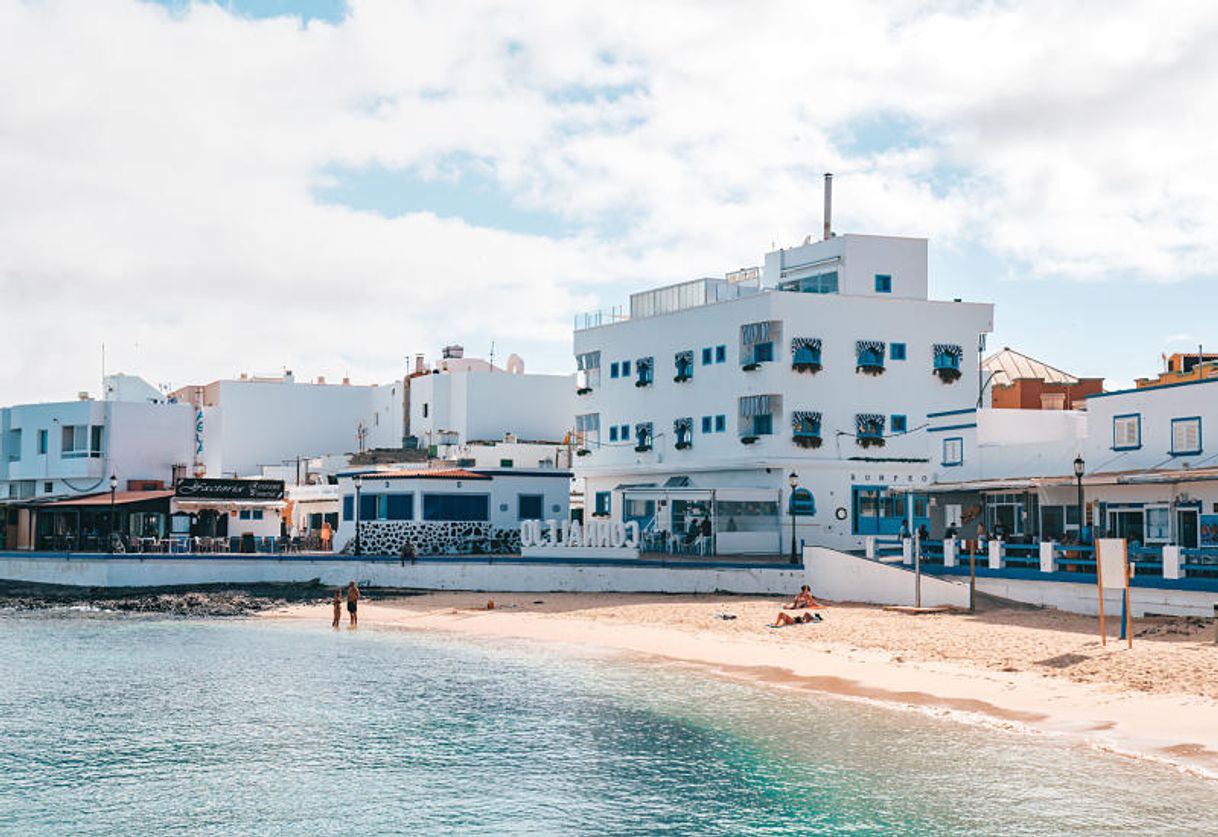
<point>1146,474</point>
<point>252,422</point>
<point>465,400</point>
<point>825,364</point>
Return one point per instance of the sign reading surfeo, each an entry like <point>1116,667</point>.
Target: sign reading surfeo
<point>200,489</point>
<point>569,534</point>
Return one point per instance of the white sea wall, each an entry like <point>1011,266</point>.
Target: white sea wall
<point>839,576</point>
<point>448,574</point>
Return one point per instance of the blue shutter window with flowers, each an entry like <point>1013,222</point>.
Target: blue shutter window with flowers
<point>805,354</point>
<point>589,365</point>
<point>947,361</point>
<point>684,362</point>
<point>869,430</point>
<point>870,354</point>
<point>644,368</point>
<point>805,428</point>
<point>643,436</point>
<point>757,343</point>
<point>683,429</point>
<point>757,416</point>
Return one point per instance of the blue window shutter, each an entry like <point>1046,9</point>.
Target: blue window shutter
<point>401,506</point>
<point>349,507</point>
<point>706,356</point>
<point>367,507</point>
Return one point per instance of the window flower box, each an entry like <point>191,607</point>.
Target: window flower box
<point>683,445</point>
<point>583,390</point>
<point>870,441</point>
<point>807,440</point>
<point>582,452</point>
<point>947,362</point>
<point>749,367</point>
<point>805,354</point>
<point>642,448</point>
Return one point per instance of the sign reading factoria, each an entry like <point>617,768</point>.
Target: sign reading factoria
<point>200,489</point>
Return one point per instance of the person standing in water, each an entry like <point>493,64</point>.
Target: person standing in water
<point>338,607</point>
<point>353,602</point>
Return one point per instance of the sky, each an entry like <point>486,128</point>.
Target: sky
<point>210,188</point>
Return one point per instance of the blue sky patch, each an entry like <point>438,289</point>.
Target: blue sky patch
<point>459,188</point>
<point>331,11</point>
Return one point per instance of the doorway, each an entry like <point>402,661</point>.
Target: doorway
<point>1186,528</point>
<point>1128,524</point>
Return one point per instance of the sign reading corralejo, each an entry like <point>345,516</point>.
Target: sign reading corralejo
<point>568,534</point>
<point>198,489</point>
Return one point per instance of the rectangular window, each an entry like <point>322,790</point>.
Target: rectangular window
<point>14,445</point>
<point>505,463</point>
<point>244,514</point>
<point>42,442</point>
<point>706,424</point>
<point>623,432</point>
<point>953,451</point>
<point>883,283</point>
<point>1158,524</point>
<point>720,354</point>
<point>424,409</point>
<point>257,514</point>
<point>348,507</point>
<point>763,353</point>
<point>367,507</point>
<point>706,356</point>
<point>613,369</point>
<point>529,506</point>
<point>625,369</point>
<point>1127,432</point>
<point>720,423</point>
<point>896,351</point>
<point>48,487</point>
<point>613,433</point>
<point>603,500</point>
<point>899,424</point>
<point>763,425</point>
<point>400,507</point>
<point>1185,436</point>
<point>382,506</point>
<point>456,507</point>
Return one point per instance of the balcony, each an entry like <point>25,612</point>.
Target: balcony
<point>805,355</point>
<point>947,362</point>
<point>870,357</point>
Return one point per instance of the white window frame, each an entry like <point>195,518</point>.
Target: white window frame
<point>949,462</point>
<point>1183,424</point>
<point>1127,431</point>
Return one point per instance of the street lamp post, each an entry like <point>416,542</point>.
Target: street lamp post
<point>113,487</point>
<point>1079,467</point>
<point>794,481</point>
<point>358,484</point>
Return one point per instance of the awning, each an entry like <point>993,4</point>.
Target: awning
<point>121,498</point>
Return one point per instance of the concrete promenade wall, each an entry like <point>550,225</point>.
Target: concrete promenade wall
<point>842,577</point>
<point>1084,598</point>
<point>511,574</point>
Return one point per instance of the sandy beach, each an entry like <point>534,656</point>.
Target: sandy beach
<point>1039,670</point>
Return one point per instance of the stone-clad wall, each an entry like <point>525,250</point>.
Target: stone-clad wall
<point>386,537</point>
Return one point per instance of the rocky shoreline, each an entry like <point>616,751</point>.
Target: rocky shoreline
<point>206,600</point>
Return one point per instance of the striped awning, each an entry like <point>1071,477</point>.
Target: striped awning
<point>950,349</point>
<point>869,422</point>
<point>812,343</point>
<point>757,405</point>
<point>799,418</point>
<point>876,346</point>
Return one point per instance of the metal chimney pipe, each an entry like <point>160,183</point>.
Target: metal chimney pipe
<point>828,206</point>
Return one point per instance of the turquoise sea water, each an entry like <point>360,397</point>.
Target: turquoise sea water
<point>119,725</point>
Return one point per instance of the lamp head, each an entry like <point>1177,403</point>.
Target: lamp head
<point>113,482</point>
<point>359,480</point>
<point>793,479</point>
<point>1079,466</point>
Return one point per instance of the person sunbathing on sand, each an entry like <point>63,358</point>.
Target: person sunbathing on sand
<point>803,600</point>
<point>785,619</point>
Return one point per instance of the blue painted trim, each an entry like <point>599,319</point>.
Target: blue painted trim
<point>1138,416</point>
<point>651,563</point>
<point>1200,442</point>
<point>1149,389</point>
<point>952,412</point>
<point>959,461</point>
<point>950,427</point>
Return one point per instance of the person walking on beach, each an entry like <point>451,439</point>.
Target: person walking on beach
<point>338,607</point>
<point>353,603</point>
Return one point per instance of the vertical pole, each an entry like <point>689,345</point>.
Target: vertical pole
<point>110,537</point>
<point>791,511</point>
<point>917,569</point>
<point>1099,583</point>
<point>972,575</point>
<point>1127,622</point>
<point>358,550</point>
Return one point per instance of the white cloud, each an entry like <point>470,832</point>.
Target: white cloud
<point>157,169</point>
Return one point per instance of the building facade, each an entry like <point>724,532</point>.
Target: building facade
<point>702,404</point>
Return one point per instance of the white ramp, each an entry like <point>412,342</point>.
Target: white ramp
<point>841,577</point>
